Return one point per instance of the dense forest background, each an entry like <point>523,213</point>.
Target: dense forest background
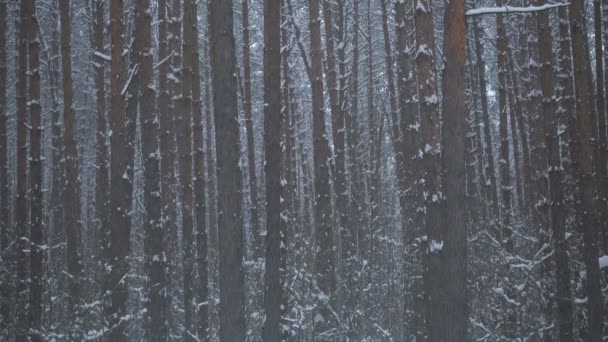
<point>303,170</point>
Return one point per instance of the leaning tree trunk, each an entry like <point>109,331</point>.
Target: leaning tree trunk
<point>229,178</point>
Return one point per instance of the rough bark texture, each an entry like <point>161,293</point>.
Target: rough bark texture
<point>324,259</point>
<point>273,291</point>
<point>37,231</point>
<point>21,228</point>
<point>5,290</point>
<point>582,154</point>
<point>257,243</point>
<point>453,304</point>
<point>202,293</point>
<point>73,224</point>
<point>153,242</point>
<point>229,180</point>
<point>120,196</point>
<point>184,147</point>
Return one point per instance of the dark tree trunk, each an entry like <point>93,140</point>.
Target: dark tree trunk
<point>582,152</point>
<point>229,179</point>
<point>21,227</point>
<point>324,259</point>
<point>258,245</point>
<point>183,123</point>
<point>273,290</point>
<point>120,196</point>
<point>37,228</point>
<point>5,291</point>
<point>153,242</point>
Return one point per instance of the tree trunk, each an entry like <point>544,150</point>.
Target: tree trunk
<point>453,308</point>
<point>37,228</point>
<point>273,290</point>
<point>120,197</point>
<point>202,307</point>
<point>153,242</point>
<point>230,187</point>
<point>324,262</point>
<point>582,152</point>
<point>489,166</point>
<point>258,245</point>
<point>5,291</point>
<point>563,298</point>
<point>433,199</point>
<point>21,227</point>
<point>184,125</point>
<point>601,146</point>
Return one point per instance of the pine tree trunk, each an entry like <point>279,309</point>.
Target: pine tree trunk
<point>37,228</point>
<point>324,262</point>
<point>258,245</point>
<point>202,295</point>
<point>433,198</point>
<point>21,228</point>
<point>120,198</point>
<point>184,125</point>
<point>155,305</point>
<point>229,178</point>
<point>273,290</point>
<point>582,152</point>
<point>5,291</point>
<point>601,146</point>
<point>489,166</point>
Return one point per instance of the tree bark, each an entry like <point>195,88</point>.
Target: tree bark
<point>324,262</point>
<point>5,291</point>
<point>153,242</point>
<point>229,180</point>
<point>258,245</point>
<point>37,227</point>
<point>273,289</point>
<point>582,152</point>
<point>120,196</point>
<point>21,227</point>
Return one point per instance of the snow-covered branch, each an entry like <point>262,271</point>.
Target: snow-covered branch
<point>512,9</point>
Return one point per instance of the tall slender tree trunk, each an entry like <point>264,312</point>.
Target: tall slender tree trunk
<point>433,198</point>
<point>230,187</point>
<point>184,147</point>
<point>101,150</point>
<point>120,198</point>
<point>453,307</point>
<point>564,316</point>
<point>324,262</point>
<point>5,309</point>
<point>582,152</point>
<point>156,309</point>
<point>73,223</point>
<point>258,245</point>
<point>37,233</point>
<point>21,228</point>
<point>601,144</point>
<point>489,163</point>
<point>202,306</point>
<point>509,319</point>
<point>273,290</point>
